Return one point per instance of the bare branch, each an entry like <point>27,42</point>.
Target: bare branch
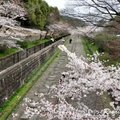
<point>92,11</point>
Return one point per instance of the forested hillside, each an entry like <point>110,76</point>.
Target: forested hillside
<point>38,12</point>
<point>28,20</point>
<point>35,12</point>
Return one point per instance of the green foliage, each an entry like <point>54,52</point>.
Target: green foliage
<point>32,18</point>
<point>87,51</point>
<point>109,59</point>
<point>36,42</point>
<point>101,39</point>
<point>45,8</point>
<point>54,9</point>
<point>38,12</point>
<point>8,51</point>
<point>23,44</point>
<point>40,21</point>
<point>89,39</point>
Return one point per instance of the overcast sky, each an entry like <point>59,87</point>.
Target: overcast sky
<point>56,3</point>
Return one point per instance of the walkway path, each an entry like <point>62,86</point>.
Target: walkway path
<point>51,76</point>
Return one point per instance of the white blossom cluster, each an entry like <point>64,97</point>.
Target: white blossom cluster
<point>10,30</point>
<point>8,21</point>
<point>9,27</point>
<point>81,79</point>
<point>94,74</point>
<point>12,10</point>
<point>9,11</point>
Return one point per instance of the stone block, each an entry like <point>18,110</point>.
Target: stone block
<point>34,117</point>
<point>43,90</point>
<point>24,117</point>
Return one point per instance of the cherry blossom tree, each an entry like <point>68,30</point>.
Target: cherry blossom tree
<point>83,77</point>
<point>9,12</point>
<point>10,28</point>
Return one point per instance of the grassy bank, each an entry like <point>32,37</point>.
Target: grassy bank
<point>4,51</point>
<point>110,60</point>
<point>87,51</point>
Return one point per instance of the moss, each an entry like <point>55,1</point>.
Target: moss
<point>85,46</point>
<point>106,100</point>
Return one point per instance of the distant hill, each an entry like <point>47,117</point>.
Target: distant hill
<point>74,21</point>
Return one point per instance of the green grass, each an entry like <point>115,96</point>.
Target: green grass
<point>30,44</point>
<point>15,99</point>
<point>106,100</point>
<point>85,46</point>
<point>9,51</point>
<point>12,50</point>
<point>33,43</point>
<point>93,47</point>
<point>46,40</point>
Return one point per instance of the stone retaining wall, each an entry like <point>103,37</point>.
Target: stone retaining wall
<point>16,75</point>
<point>16,57</point>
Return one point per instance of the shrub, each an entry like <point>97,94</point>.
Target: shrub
<point>36,42</point>
<point>23,44</point>
<point>3,48</point>
<point>101,39</point>
<point>113,48</point>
